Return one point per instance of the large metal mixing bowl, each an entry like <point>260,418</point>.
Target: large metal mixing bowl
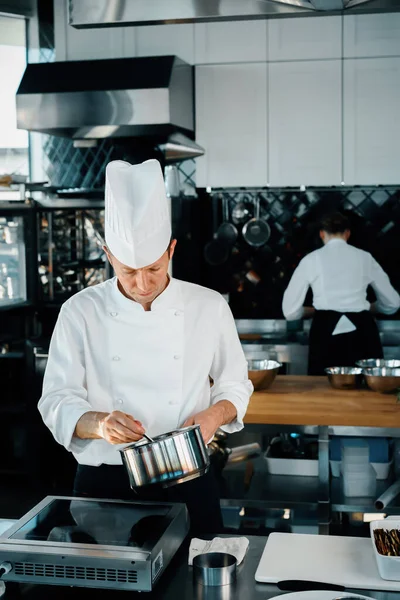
<point>382,379</point>
<point>370,363</point>
<point>262,372</point>
<point>344,378</point>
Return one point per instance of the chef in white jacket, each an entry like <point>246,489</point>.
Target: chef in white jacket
<point>343,329</point>
<point>135,353</point>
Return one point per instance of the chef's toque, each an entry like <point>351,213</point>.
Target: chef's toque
<point>137,217</point>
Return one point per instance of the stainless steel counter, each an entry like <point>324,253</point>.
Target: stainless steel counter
<point>177,582</point>
<point>287,342</point>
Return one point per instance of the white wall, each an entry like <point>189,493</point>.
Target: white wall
<point>273,45</point>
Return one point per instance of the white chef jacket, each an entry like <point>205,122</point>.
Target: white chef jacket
<point>339,275</point>
<point>107,353</point>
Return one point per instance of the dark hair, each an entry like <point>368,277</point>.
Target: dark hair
<point>335,223</point>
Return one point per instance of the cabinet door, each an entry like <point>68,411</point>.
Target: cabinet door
<point>371,35</point>
<point>159,40</point>
<point>231,125</point>
<point>83,44</point>
<point>304,38</point>
<point>371,121</point>
<point>231,42</point>
<point>305,139</point>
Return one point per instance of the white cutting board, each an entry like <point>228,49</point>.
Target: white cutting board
<point>346,561</point>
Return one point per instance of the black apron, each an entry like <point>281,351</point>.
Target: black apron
<point>344,349</point>
<point>200,495</point>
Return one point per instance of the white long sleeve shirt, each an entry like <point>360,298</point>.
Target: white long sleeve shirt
<point>339,275</point>
<point>107,353</point>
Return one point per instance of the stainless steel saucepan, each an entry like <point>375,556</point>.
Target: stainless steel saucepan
<point>168,459</point>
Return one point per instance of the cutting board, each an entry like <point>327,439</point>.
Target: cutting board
<point>346,561</point>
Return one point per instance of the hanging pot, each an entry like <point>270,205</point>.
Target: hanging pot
<point>256,232</point>
<point>242,211</point>
<point>227,232</point>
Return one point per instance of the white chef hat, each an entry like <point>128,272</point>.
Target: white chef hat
<point>137,218</point>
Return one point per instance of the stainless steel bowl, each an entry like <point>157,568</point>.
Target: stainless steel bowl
<point>344,378</point>
<point>171,458</point>
<point>262,372</point>
<point>382,379</point>
<point>370,363</point>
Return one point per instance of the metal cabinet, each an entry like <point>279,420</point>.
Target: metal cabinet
<point>70,247</point>
<point>305,112</point>
<point>371,122</point>
<point>231,124</point>
<point>17,260</point>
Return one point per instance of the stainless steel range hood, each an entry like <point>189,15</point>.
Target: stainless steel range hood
<point>94,99</point>
<point>114,13</point>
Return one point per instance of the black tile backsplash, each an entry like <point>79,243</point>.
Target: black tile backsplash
<point>256,278</point>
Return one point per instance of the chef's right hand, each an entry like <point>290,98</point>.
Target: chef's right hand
<point>120,428</point>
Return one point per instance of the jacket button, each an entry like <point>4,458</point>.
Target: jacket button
<point>116,358</point>
<point>177,356</point>
<point>113,314</point>
<point>120,401</point>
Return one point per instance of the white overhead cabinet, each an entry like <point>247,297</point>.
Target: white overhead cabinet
<point>83,44</point>
<point>371,121</point>
<point>231,125</point>
<point>231,42</point>
<point>164,40</point>
<point>305,123</point>
<point>304,39</point>
<point>371,35</point>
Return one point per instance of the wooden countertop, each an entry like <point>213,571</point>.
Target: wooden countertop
<point>306,400</point>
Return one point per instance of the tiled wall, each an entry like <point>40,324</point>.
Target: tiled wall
<point>257,278</point>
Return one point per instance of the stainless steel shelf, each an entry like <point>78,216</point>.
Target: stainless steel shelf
<point>342,503</point>
<point>274,491</point>
<point>12,355</point>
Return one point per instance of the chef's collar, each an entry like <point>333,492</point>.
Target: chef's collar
<point>170,298</point>
<point>336,240</point>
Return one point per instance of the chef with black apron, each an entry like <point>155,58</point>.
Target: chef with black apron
<point>135,354</point>
<point>343,329</point>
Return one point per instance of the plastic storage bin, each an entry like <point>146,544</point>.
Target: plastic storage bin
<point>359,477</point>
<point>291,466</point>
<point>382,470</point>
<point>388,566</point>
<point>379,454</point>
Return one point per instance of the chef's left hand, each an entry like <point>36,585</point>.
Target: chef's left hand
<point>209,420</point>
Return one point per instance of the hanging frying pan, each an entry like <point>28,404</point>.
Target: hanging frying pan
<point>256,232</point>
<point>227,232</point>
<point>216,251</point>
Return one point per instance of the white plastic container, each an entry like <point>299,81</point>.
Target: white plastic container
<point>382,470</point>
<point>291,466</point>
<point>388,566</point>
<point>359,477</point>
<point>361,485</point>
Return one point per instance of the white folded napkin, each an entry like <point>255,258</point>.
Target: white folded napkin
<point>237,546</point>
<point>344,325</point>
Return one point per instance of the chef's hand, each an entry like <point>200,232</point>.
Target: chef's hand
<point>212,418</point>
<point>120,428</point>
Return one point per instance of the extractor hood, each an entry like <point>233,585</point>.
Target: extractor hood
<point>92,99</point>
<point>114,13</point>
